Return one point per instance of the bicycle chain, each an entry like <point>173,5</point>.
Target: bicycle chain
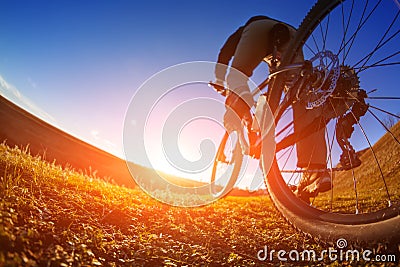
<point>337,169</point>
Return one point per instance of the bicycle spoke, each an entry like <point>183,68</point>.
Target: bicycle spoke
<point>384,111</point>
<point>311,50</point>
<point>345,29</point>
<point>355,191</point>
<point>376,159</point>
<point>288,156</point>
<point>384,126</point>
<point>378,63</point>
<point>384,97</point>
<point>330,159</point>
<point>354,179</point>
<point>370,97</point>
<point>292,179</point>
<point>377,118</point>
<point>360,25</point>
<point>324,34</point>
<point>288,131</point>
<point>331,169</point>
<point>316,45</point>
<point>370,146</point>
<point>353,35</point>
<point>380,44</point>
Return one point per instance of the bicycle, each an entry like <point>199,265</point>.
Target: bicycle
<point>363,204</point>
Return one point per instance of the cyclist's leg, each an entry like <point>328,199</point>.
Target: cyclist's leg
<point>311,151</point>
<point>311,154</point>
<point>251,50</point>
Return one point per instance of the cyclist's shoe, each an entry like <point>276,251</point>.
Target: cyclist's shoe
<point>303,196</point>
<point>313,183</point>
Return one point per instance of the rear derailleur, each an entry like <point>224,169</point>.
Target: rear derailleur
<point>345,128</point>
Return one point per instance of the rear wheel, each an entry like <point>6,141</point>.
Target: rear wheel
<point>353,46</point>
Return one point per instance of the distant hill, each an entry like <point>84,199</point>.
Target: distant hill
<point>21,128</point>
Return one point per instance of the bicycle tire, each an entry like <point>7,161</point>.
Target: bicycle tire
<point>236,160</point>
<point>376,227</point>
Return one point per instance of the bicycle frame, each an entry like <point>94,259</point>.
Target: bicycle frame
<point>260,106</point>
<point>265,83</point>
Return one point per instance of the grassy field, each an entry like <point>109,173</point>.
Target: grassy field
<point>58,217</point>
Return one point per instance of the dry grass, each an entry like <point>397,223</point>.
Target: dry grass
<point>59,217</point>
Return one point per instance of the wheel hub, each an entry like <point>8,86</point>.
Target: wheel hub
<point>346,93</point>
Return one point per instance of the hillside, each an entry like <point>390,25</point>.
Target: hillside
<point>369,182</point>
<point>21,128</point>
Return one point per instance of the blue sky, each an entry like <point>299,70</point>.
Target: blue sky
<point>78,64</point>
<point>81,61</point>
